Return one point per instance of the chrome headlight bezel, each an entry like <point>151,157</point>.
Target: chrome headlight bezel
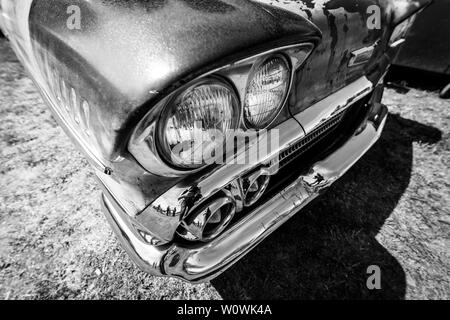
<point>162,143</point>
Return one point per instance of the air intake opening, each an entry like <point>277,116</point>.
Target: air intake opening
<point>208,220</point>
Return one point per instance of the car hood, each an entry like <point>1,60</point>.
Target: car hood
<point>141,47</point>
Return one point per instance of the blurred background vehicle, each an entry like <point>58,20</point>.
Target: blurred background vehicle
<point>427,47</point>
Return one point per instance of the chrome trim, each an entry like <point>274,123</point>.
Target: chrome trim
<point>200,187</point>
<point>236,192</point>
<point>314,116</point>
<point>361,56</point>
<point>252,180</point>
<point>310,139</point>
<point>251,75</point>
<point>194,230</point>
<point>96,161</point>
<point>237,73</point>
<point>397,43</point>
<point>202,263</point>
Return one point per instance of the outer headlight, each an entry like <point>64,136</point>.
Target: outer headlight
<point>266,91</point>
<point>195,123</point>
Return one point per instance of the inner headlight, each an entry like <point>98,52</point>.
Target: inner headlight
<point>266,91</point>
<point>194,125</point>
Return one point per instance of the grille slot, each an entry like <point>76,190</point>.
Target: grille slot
<point>309,140</point>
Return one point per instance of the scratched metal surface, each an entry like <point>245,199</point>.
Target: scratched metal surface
<point>344,27</point>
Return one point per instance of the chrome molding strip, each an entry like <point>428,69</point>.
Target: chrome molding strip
<point>361,56</point>
<point>314,116</point>
<point>310,139</point>
<point>148,257</point>
<point>397,43</point>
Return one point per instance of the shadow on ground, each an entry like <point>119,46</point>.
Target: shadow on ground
<point>419,79</point>
<point>324,251</point>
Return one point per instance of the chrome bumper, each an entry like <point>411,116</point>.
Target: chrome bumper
<point>203,262</point>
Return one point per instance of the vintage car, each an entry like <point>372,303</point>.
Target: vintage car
<point>291,90</point>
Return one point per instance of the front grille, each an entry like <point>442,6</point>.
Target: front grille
<point>309,140</point>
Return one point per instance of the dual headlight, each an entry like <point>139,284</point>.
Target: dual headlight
<point>197,121</point>
<point>266,91</point>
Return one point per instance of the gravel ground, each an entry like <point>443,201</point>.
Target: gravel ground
<point>392,210</point>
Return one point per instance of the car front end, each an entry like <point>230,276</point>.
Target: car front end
<point>153,93</point>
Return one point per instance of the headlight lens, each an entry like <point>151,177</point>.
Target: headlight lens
<point>196,122</point>
<point>266,91</point>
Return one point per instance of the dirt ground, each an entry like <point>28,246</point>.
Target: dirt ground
<point>392,210</point>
